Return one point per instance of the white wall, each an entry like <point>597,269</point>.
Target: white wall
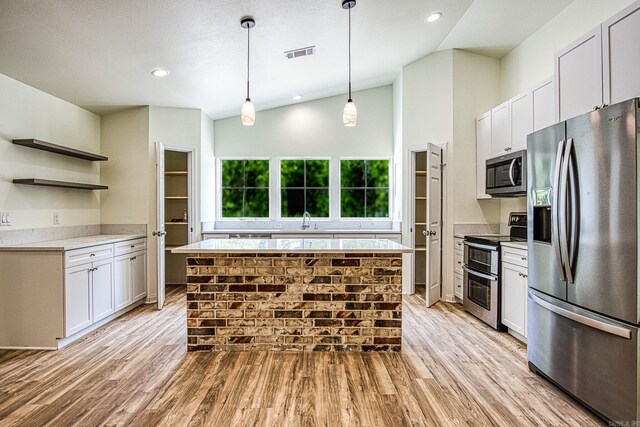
<point>427,116</point>
<point>532,61</point>
<point>313,128</point>
<point>25,113</point>
<point>125,137</point>
<point>207,173</point>
<point>441,96</point>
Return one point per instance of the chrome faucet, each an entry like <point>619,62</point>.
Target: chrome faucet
<point>306,224</point>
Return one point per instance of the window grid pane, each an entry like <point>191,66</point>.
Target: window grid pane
<point>364,188</point>
<point>304,187</point>
<point>245,188</point>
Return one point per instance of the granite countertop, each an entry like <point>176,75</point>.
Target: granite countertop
<point>299,231</point>
<point>517,245</point>
<point>293,246</point>
<point>73,243</point>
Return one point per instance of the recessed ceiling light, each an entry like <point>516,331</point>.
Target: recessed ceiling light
<point>160,72</point>
<point>433,16</point>
<point>297,98</point>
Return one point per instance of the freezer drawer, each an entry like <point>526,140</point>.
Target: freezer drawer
<point>591,357</point>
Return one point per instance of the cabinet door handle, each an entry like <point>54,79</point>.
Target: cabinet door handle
<point>133,246</point>
<point>524,258</point>
<point>92,255</point>
<point>134,258</point>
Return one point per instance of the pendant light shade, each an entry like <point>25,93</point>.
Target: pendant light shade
<point>248,112</point>
<point>350,113</point>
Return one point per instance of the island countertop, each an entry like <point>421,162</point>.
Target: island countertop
<point>293,246</point>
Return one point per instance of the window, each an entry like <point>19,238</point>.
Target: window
<point>245,188</point>
<point>304,187</point>
<point>364,188</point>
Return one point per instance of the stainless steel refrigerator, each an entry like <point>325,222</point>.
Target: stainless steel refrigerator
<point>583,258</point>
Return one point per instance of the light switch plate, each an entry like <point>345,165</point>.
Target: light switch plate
<point>5,219</point>
<point>56,218</point>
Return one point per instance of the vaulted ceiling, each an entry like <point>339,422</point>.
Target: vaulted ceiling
<point>99,54</point>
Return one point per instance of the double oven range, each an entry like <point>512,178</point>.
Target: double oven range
<point>482,268</point>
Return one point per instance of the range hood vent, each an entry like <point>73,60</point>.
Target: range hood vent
<point>298,53</point>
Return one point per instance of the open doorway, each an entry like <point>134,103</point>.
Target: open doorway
<point>175,215</point>
<point>426,227</point>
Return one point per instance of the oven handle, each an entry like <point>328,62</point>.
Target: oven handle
<point>478,246</point>
<point>475,273</point>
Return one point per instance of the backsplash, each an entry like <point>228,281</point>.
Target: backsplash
<point>463,229</point>
<point>32,235</point>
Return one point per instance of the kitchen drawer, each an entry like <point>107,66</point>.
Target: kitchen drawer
<point>353,236</point>
<point>129,246</point>
<point>514,256</point>
<point>457,266</point>
<point>305,236</point>
<point>77,257</point>
<point>458,244</point>
<point>458,278</point>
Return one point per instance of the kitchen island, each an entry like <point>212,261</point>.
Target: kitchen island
<point>298,294</point>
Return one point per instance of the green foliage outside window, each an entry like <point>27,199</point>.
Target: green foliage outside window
<point>364,188</point>
<point>304,186</point>
<point>245,188</point>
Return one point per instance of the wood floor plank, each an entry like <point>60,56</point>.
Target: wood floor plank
<point>453,371</point>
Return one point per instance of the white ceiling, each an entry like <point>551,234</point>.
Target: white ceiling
<point>99,54</point>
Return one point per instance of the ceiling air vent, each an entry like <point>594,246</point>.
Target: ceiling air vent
<point>297,53</point>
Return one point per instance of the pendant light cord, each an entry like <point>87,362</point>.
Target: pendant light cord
<point>248,57</point>
<point>350,54</point>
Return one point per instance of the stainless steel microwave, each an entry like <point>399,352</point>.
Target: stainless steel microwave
<point>507,175</point>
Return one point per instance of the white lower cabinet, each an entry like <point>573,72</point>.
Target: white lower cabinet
<point>122,283</point>
<point>458,272</point>
<point>102,290</point>
<point>130,278</point>
<point>77,299</point>
<point>96,290</point>
<point>514,294</point>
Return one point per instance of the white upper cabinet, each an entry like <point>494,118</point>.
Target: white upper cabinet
<point>483,152</point>
<point>500,130</point>
<point>521,108</point>
<point>621,55</point>
<point>543,104</point>
<point>579,77</point>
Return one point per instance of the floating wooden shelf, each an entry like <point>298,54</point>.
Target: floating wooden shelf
<point>421,223</point>
<point>420,198</point>
<point>176,223</point>
<point>421,172</point>
<point>176,173</point>
<point>176,197</point>
<point>60,184</point>
<point>59,149</point>
<point>421,248</point>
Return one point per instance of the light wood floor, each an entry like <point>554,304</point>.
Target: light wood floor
<point>453,370</point>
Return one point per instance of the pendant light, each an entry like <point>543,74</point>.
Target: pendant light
<point>350,113</point>
<point>248,112</point>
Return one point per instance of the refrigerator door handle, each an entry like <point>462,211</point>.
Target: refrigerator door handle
<point>564,211</point>
<point>555,229</point>
<point>587,321</point>
<point>513,162</point>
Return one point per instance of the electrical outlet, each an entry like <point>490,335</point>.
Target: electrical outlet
<point>56,218</point>
<point>5,219</point>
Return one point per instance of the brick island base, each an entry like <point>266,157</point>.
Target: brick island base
<point>294,301</point>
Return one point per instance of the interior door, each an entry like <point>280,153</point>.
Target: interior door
<point>160,231</point>
<point>434,223</point>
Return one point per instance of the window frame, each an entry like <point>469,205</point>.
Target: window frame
<point>390,164</point>
<point>278,206</point>
<point>219,189</point>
